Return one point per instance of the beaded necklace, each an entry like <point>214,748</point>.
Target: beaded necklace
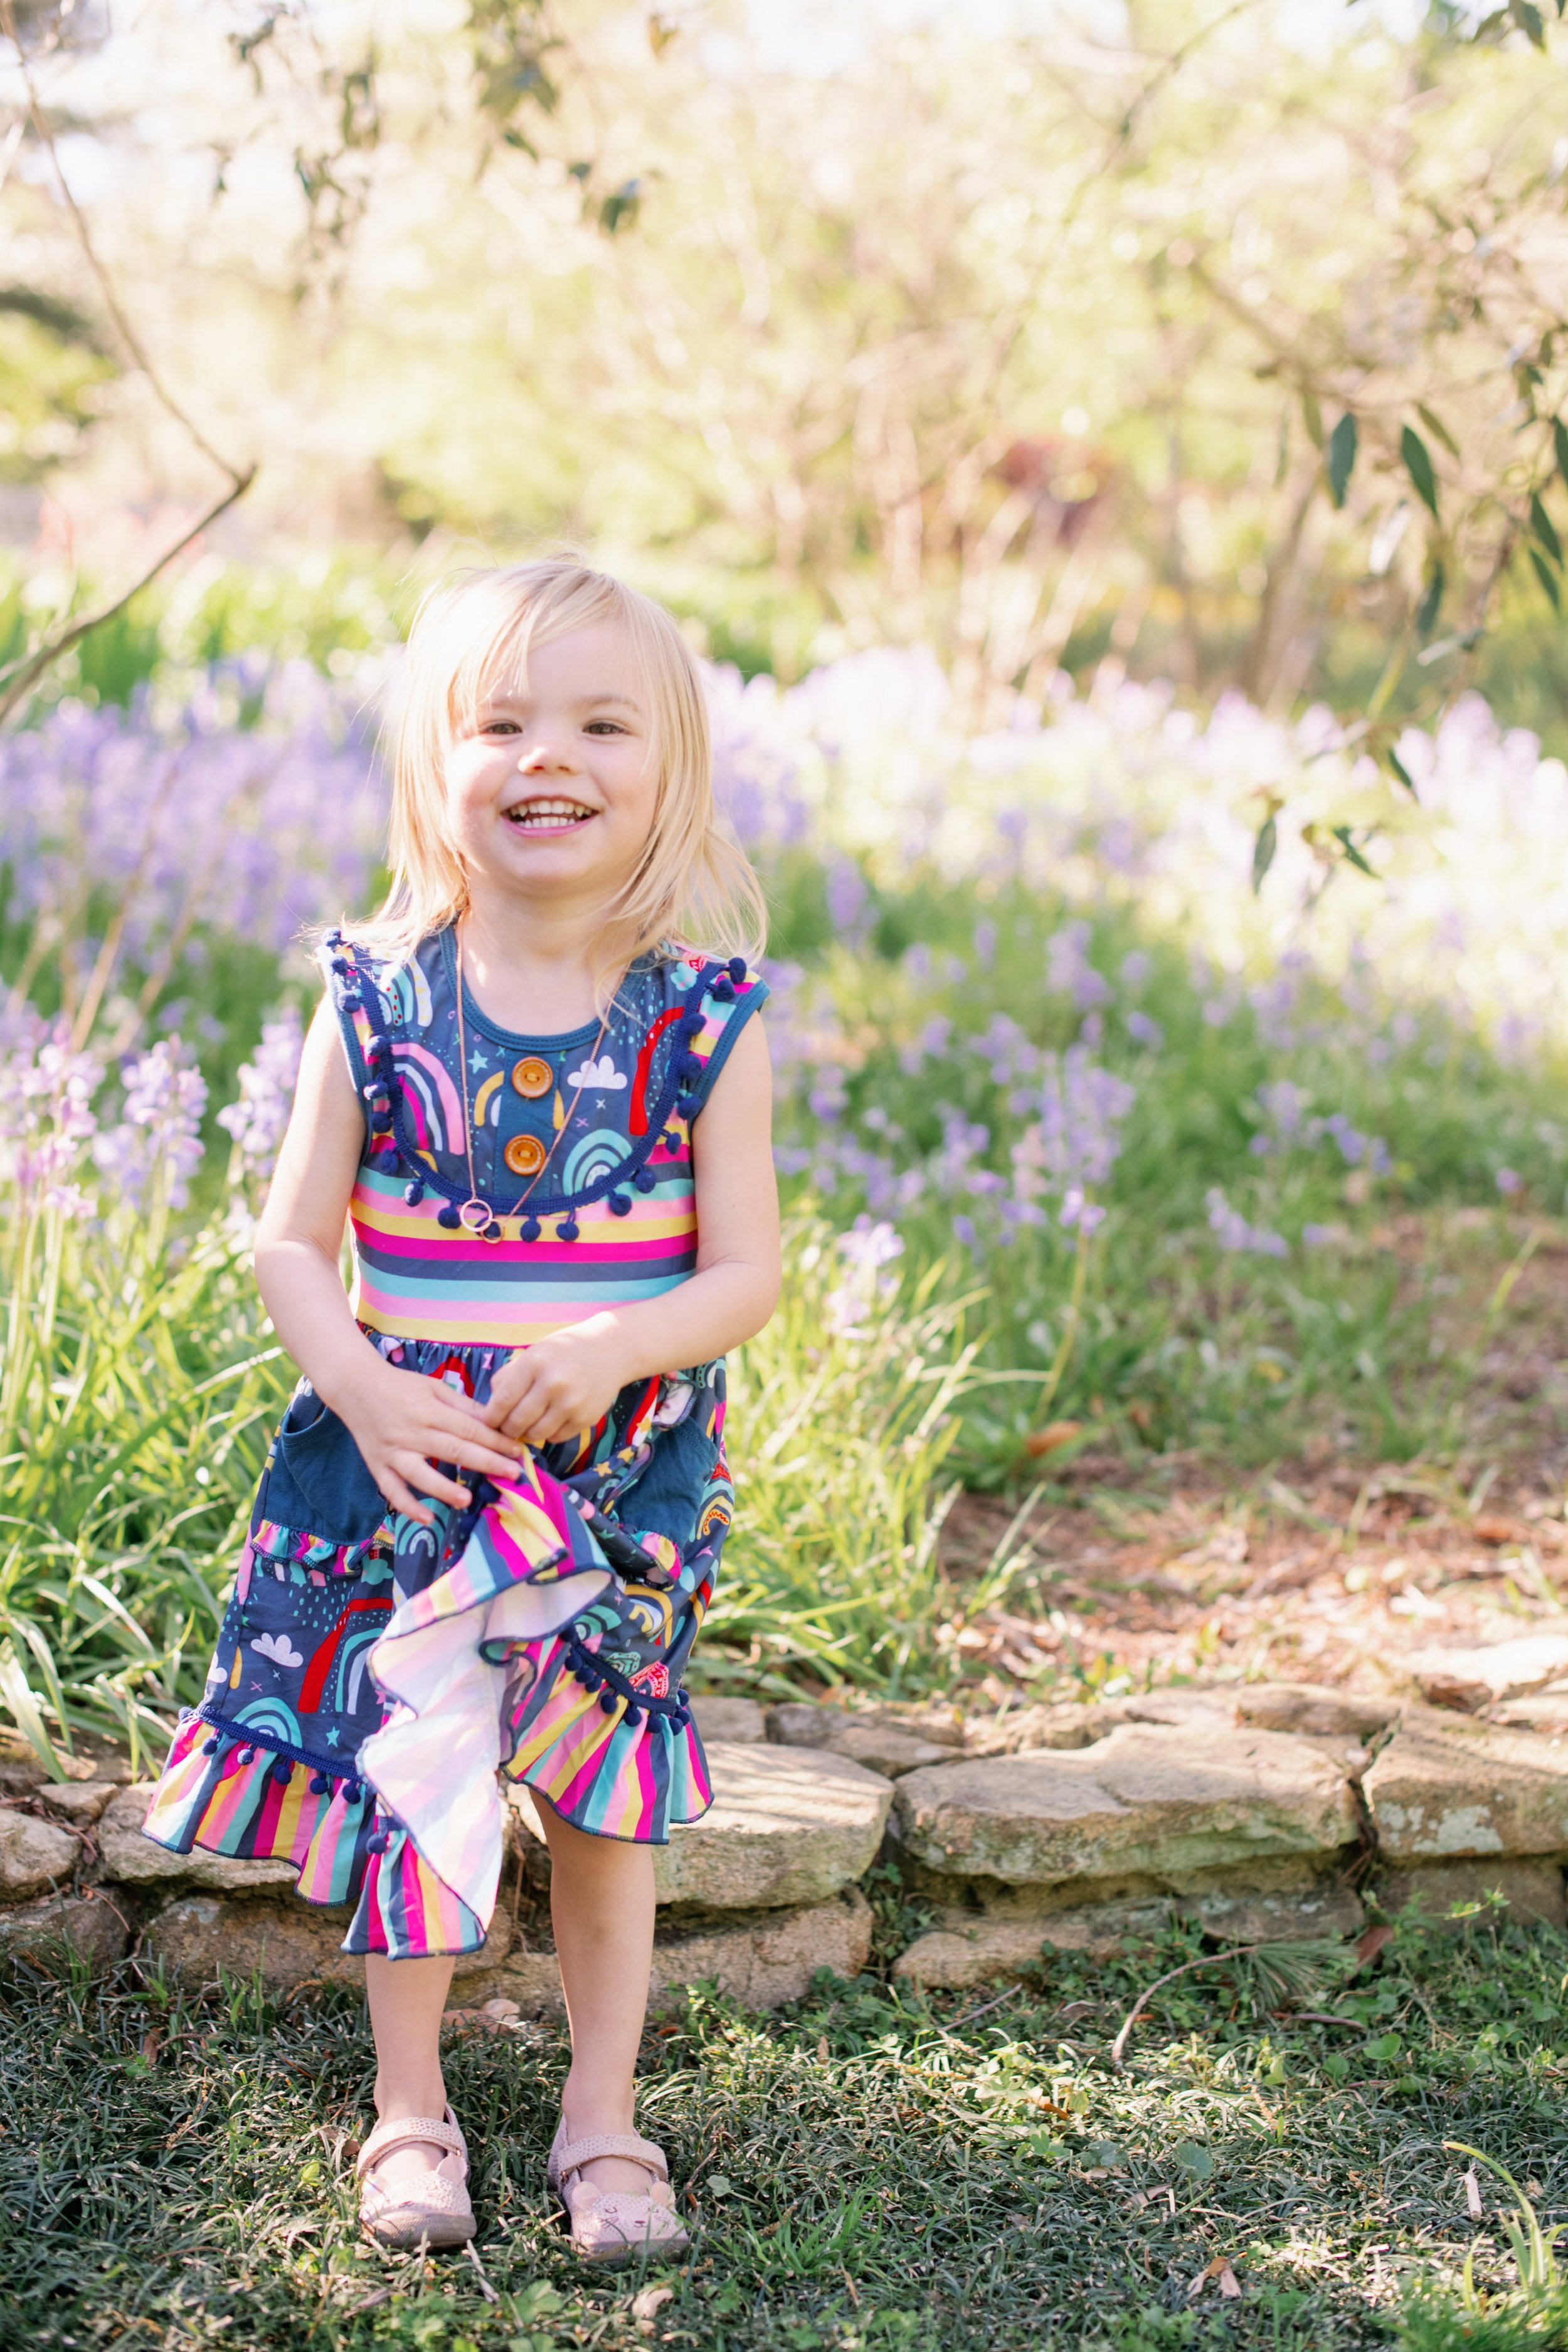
<point>485,1223</point>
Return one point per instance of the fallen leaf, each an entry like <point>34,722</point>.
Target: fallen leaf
<point>1229,2284</point>
<point>651,2302</point>
<point>151,2042</point>
<point>1055,1434</point>
<point>1371,1941</point>
<point>717,2186</point>
<point>500,2008</point>
<point>1490,1529</point>
<point>822,2049</point>
<point>1473,2194</point>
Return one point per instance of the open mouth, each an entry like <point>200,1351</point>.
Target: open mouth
<point>548,816</point>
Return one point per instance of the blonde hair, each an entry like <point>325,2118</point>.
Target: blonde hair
<point>692,886</point>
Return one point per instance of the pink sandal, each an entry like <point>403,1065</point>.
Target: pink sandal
<point>616,2225</point>
<point>431,2208</point>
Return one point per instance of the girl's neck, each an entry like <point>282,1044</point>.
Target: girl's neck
<point>533,970</point>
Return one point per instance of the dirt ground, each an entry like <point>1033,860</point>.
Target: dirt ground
<point>1326,1568</point>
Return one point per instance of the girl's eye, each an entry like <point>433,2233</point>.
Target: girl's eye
<point>603,727</point>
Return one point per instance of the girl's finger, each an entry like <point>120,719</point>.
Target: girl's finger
<point>457,1425</point>
<point>435,1482</point>
<point>472,1455</point>
<point>403,1498</point>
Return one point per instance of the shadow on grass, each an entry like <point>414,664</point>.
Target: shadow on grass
<point>872,2172</point>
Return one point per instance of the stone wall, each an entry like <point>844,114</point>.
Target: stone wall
<point>1260,1812</point>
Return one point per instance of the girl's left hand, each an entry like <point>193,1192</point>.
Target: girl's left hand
<point>561,1386</point>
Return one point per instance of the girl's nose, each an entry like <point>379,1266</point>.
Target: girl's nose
<point>542,757</point>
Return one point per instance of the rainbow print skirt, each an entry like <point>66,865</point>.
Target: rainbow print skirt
<point>376,1682</point>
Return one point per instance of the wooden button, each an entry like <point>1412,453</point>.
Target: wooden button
<point>524,1155</point>
<point>531,1077</point>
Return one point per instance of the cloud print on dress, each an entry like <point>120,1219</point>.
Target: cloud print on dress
<point>602,1073</point>
<point>279,1649</point>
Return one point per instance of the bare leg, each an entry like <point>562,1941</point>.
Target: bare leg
<point>406,1998</point>
<point>601,1898</point>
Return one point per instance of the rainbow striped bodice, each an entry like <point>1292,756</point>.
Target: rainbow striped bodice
<point>582,1144</point>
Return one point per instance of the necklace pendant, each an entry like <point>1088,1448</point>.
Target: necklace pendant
<point>475,1215</point>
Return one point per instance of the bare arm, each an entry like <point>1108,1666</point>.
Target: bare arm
<point>400,1423</point>
<point>564,1383</point>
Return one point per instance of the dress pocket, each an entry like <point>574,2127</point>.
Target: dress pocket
<point>317,1479</point>
<point>667,1498</point>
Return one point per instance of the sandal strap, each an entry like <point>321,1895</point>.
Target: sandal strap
<point>407,2131</point>
<point>645,2152</point>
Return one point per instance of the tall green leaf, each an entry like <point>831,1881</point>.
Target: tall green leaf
<point>1542,524</point>
<point>1418,465</point>
<point>1547,578</point>
<point>1340,456</point>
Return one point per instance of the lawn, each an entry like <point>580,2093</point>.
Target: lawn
<point>870,2170</point>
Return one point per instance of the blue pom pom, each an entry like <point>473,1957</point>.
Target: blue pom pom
<point>414,1194</point>
<point>670,1140</point>
<point>689,1069</point>
<point>378,1841</point>
<point>210,1747</point>
<point>607,1700</point>
<point>633,1716</point>
<point>567,1229</point>
<point>492,1231</point>
<point>530,1229</point>
<point>691,1028</point>
<point>645,1179</point>
<point>737,969</point>
<point>282,1771</point>
<point>722,991</point>
<point>341,966</point>
<point>248,1754</point>
<point>448,1218</point>
<point>484,1491</point>
<point>320,1784</point>
<point>353,1791</point>
<point>621,1205</point>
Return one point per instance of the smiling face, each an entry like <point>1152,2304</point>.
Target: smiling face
<point>552,787</point>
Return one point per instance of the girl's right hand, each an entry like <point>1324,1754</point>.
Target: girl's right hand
<point>404,1424</point>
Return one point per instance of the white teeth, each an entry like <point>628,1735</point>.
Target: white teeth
<point>547,813</point>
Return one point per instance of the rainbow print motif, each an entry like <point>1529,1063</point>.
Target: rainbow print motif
<point>376,1681</point>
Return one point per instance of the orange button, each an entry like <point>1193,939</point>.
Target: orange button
<point>524,1155</point>
<point>531,1077</point>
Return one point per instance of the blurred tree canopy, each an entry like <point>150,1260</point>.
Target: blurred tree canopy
<point>1227,338</point>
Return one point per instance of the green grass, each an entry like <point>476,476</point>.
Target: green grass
<point>871,2170</point>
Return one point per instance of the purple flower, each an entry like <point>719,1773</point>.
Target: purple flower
<point>845,894</point>
<point>258,1120</point>
<point>157,1146</point>
<point>1233,1232</point>
<point>1145,1031</point>
<point>1510,1180</point>
<point>963,1230</point>
<point>984,944</point>
<point>1068,971</point>
<point>47,1118</point>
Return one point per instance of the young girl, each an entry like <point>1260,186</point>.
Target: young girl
<point>490,1522</point>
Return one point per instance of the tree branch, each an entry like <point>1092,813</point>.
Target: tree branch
<point>20,676</point>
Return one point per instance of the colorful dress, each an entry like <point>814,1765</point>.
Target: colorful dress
<point>374,1676</point>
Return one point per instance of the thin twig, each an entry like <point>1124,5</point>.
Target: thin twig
<point>1204,1961</point>
<point>123,327</point>
<point>485,2288</point>
<point>23,675</point>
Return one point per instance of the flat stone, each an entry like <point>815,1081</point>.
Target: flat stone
<point>199,1937</point>
<point>886,1747</point>
<point>1446,1787</point>
<point>1282,1918</point>
<point>78,1801</point>
<point>34,1855</point>
<point>1029,1730</point>
<point>1147,1798</point>
<point>787,1825</point>
<point>88,1924</point>
<point>964,1951</point>
<point>130,1856</point>
<point>1469,1679</point>
<point>1314,1711</point>
<point>738,1721</point>
<point>1532,1890</point>
<point>763,1961</point>
<point>801,1724</point>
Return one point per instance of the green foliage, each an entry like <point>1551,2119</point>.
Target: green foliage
<point>873,2170</point>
